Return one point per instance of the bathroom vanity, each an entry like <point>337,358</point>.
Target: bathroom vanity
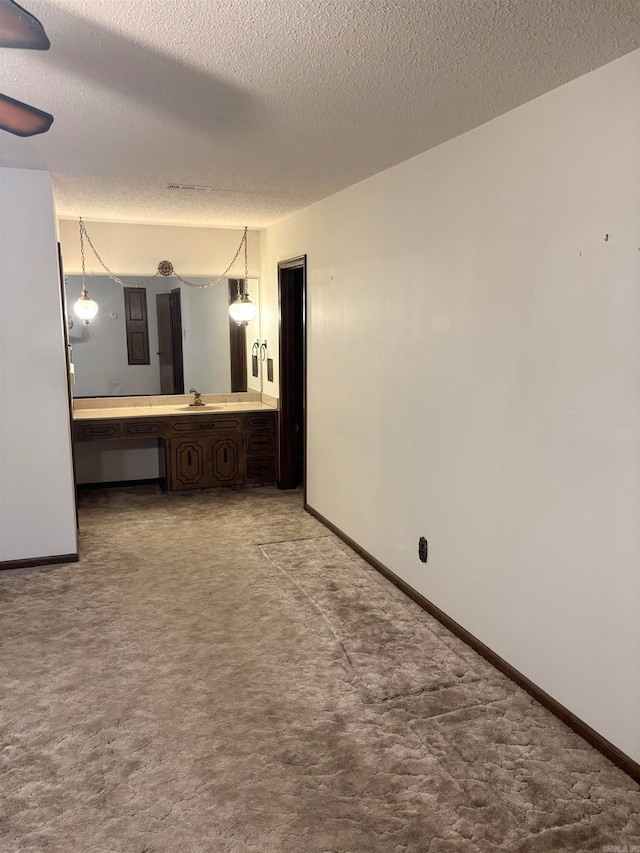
<point>230,441</point>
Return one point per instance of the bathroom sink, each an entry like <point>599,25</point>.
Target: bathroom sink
<point>206,408</point>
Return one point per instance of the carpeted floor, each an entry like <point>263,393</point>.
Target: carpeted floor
<point>220,674</point>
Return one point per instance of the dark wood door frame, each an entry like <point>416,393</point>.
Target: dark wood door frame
<point>238,345</point>
<point>169,321</point>
<point>176,332</point>
<point>286,355</point>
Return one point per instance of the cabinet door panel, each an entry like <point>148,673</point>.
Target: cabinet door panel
<point>137,326</point>
<point>226,460</point>
<point>188,463</point>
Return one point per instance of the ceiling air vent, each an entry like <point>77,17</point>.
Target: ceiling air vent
<point>189,187</point>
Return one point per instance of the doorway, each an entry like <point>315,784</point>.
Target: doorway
<point>292,286</point>
<point>170,342</point>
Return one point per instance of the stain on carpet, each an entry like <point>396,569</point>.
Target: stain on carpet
<point>393,653</point>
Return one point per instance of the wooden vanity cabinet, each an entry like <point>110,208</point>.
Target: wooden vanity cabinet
<point>221,450</point>
<point>260,448</point>
<point>203,450</point>
<point>201,462</point>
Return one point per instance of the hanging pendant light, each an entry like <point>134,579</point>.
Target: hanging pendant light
<point>243,310</point>
<point>85,307</point>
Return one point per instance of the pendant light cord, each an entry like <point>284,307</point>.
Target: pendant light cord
<point>84,235</point>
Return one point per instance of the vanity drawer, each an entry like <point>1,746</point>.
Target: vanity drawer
<point>202,424</point>
<point>260,443</point>
<point>142,428</point>
<point>92,430</point>
<point>260,469</point>
<point>266,421</point>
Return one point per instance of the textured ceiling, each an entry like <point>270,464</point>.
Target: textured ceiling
<point>278,103</point>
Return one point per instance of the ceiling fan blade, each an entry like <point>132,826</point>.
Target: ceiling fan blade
<point>18,28</point>
<point>22,119</point>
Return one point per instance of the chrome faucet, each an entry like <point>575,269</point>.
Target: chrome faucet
<point>197,399</point>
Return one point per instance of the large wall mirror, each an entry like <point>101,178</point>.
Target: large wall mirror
<point>190,341</point>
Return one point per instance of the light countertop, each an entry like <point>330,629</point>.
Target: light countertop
<point>149,407</point>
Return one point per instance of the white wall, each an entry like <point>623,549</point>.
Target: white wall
<point>37,510</point>
<point>473,377</point>
<point>137,249</point>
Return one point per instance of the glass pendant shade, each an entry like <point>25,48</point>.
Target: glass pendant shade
<point>243,310</point>
<point>85,308</point>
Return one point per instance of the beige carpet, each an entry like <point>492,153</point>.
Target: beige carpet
<point>219,673</point>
